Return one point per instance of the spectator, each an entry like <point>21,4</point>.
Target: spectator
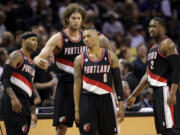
<point>2,21</point>
<point>3,58</point>
<point>147,98</point>
<point>139,63</point>
<point>112,26</point>
<point>45,83</point>
<point>7,40</point>
<point>126,89</point>
<point>17,45</point>
<point>135,36</point>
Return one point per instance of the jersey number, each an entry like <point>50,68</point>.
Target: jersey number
<point>105,78</point>
<point>152,64</point>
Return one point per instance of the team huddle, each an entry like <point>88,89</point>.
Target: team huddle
<point>87,70</point>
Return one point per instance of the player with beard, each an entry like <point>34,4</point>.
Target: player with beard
<point>67,44</point>
<point>163,76</point>
<point>18,99</point>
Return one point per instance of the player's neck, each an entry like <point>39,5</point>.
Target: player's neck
<point>159,38</point>
<point>95,50</point>
<point>72,33</point>
<point>26,52</point>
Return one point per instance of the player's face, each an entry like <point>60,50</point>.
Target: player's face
<point>90,38</point>
<point>154,29</point>
<point>75,21</point>
<point>31,44</point>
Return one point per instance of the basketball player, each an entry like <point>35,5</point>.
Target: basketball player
<point>67,44</point>
<point>95,108</point>
<point>163,76</point>
<point>18,99</point>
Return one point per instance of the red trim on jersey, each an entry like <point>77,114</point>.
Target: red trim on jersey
<point>23,79</point>
<point>160,53</point>
<point>60,49</point>
<point>27,57</point>
<point>153,46</point>
<point>172,113</point>
<point>157,77</point>
<point>97,83</point>
<point>66,62</point>
<point>109,57</point>
<point>21,60</point>
<point>76,41</point>
<point>99,59</point>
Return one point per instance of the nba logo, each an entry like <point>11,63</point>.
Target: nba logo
<point>62,119</point>
<point>66,40</point>
<point>105,58</point>
<point>25,128</point>
<point>87,127</point>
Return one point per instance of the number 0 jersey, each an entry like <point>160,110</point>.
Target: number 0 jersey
<point>96,74</point>
<point>159,70</point>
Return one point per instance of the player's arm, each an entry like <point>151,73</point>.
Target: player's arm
<point>53,43</point>
<point>33,115</point>
<point>117,83</point>
<point>37,98</point>
<point>168,48</point>
<point>104,42</point>
<point>138,90</point>
<point>13,60</point>
<point>77,84</point>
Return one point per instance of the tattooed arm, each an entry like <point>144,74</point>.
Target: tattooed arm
<point>12,62</point>
<point>53,43</point>
<point>117,84</point>
<point>138,90</point>
<point>77,85</point>
<point>168,48</point>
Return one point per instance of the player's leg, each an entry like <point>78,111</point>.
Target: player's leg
<point>15,123</point>
<point>107,122</point>
<point>164,120</point>
<point>61,129</point>
<point>88,115</point>
<point>63,108</point>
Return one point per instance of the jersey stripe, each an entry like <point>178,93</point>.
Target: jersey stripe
<point>156,80</point>
<point>115,113</point>
<point>167,109</point>
<point>21,82</point>
<point>95,86</point>
<point>65,65</point>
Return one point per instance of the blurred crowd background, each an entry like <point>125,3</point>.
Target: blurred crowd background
<point>124,22</point>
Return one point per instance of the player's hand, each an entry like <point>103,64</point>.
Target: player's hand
<point>120,115</point>
<point>53,82</point>
<point>130,101</point>
<point>16,105</point>
<point>33,119</point>
<point>171,99</point>
<point>42,63</point>
<point>37,100</point>
<point>77,117</point>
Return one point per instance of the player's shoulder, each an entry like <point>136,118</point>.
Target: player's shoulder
<point>79,57</point>
<point>167,43</point>
<point>15,55</point>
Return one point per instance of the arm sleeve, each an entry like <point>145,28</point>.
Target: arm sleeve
<point>6,75</point>
<point>174,64</point>
<point>117,83</point>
